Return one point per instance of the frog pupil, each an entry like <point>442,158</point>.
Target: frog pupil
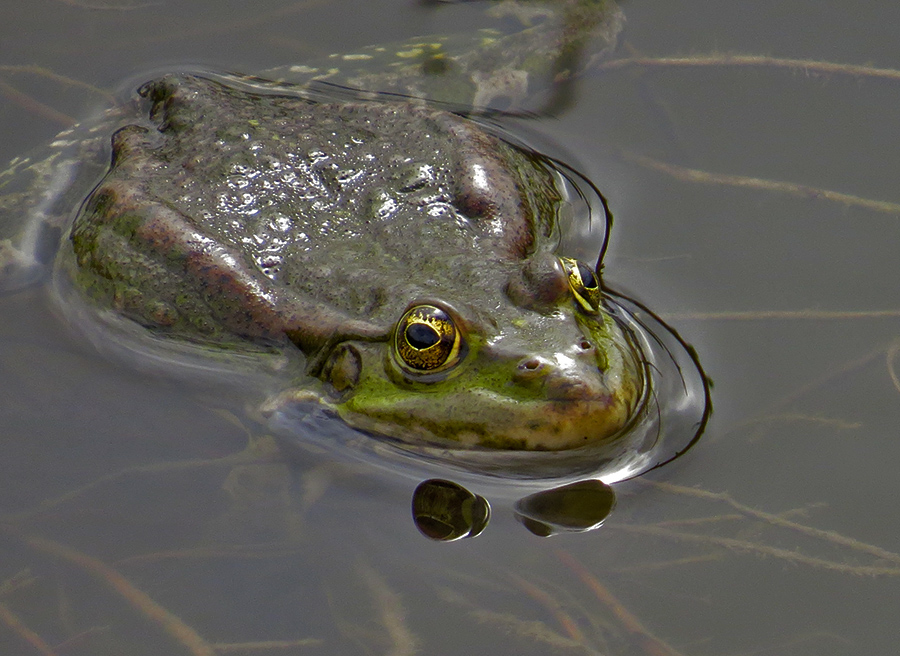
<point>587,276</point>
<point>421,336</point>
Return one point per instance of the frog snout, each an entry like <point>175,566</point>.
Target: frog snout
<point>573,375</point>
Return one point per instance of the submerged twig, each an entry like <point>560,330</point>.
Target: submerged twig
<point>46,73</point>
<point>393,614</point>
<point>891,356</point>
<point>17,626</point>
<point>20,579</point>
<point>530,630</point>
<point>766,315</point>
<point>666,564</point>
<point>698,521</point>
<point>686,174</point>
<point>806,388</point>
<point>186,635</point>
<point>553,606</point>
<point>758,424</point>
<point>510,623</point>
<point>80,638</point>
<point>760,549</point>
<point>257,451</point>
<point>35,106</point>
<point>652,645</point>
<point>806,66</point>
<point>780,520</point>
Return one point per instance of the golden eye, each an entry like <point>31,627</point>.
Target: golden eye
<point>584,284</point>
<point>427,340</point>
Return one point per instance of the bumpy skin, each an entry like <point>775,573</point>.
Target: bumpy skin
<point>528,61</point>
<point>239,216</point>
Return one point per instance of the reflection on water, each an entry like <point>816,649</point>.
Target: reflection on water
<point>446,511</point>
<point>143,517</point>
<point>577,507</point>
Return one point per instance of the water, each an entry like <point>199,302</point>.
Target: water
<point>803,437</point>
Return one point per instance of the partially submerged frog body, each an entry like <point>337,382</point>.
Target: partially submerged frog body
<point>410,258</point>
<point>406,251</point>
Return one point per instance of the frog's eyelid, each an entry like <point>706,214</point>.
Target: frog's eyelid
<point>587,298</point>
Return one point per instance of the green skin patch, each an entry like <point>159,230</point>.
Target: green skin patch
<point>483,401</point>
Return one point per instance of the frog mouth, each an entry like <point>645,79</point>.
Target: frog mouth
<point>546,425</point>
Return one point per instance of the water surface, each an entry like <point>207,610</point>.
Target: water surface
<point>775,535</point>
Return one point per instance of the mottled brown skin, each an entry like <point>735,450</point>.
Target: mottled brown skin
<point>148,173</point>
<point>233,216</point>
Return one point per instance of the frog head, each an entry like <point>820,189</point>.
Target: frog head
<point>544,367</point>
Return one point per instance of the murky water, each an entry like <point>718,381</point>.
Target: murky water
<point>775,535</point>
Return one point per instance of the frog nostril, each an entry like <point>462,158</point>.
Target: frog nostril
<point>531,370</point>
<point>585,345</point>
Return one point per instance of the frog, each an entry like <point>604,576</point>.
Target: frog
<point>407,251</point>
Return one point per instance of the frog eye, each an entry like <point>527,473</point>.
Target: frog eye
<point>427,340</point>
<point>584,284</point>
